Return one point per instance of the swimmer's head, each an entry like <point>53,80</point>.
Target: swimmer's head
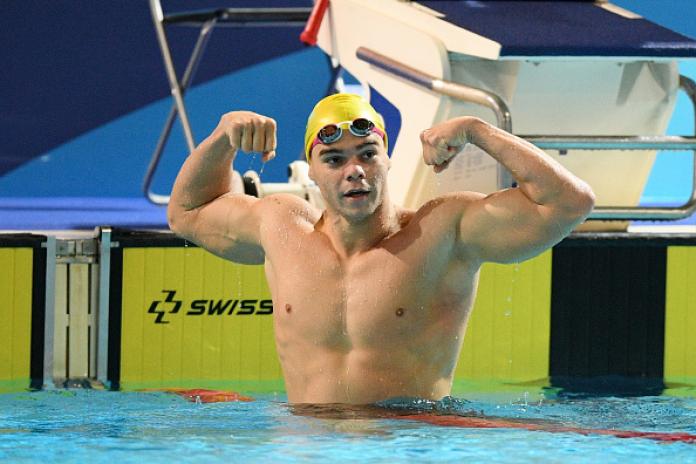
<point>341,108</point>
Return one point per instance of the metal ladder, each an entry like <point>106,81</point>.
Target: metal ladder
<point>206,20</point>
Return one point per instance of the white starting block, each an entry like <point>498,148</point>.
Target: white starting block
<point>598,81</point>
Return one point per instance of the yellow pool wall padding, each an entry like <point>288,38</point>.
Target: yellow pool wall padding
<point>15,314</point>
<point>680,321</point>
<point>200,351</point>
<point>508,334</point>
<point>507,338</point>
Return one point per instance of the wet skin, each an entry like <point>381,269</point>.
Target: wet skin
<point>381,323</point>
<point>371,300</point>
<point>382,320</point>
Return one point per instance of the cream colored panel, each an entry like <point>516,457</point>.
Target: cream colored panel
<point>60,368</point>
<point>79,319</point>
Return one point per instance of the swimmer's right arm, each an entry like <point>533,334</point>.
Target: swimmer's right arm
<point>203,210</point>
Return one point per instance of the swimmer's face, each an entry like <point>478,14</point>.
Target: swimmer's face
<point>351,174</point>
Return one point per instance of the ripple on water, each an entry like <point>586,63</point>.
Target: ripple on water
<point>127,427</point>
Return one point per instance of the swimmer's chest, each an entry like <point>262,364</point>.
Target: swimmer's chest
<point>378,296</point>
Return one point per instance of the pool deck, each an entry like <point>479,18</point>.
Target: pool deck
<point>79,214</point>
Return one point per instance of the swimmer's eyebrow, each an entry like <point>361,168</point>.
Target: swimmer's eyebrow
<point>336,151</point>
<point>330,151</point>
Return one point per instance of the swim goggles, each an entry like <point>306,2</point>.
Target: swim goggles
<point>360,127</point>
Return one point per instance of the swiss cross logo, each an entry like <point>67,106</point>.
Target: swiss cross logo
<point>207,307</point>
<point>158,307</point>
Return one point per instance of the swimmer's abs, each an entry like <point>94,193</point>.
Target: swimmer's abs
<point>361,378</point>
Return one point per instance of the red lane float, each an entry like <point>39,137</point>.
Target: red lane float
<point>208,396</point>
<point>218,396</point>
<point>483,423</point>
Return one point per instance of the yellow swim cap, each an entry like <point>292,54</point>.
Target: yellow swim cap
<point>338,108</point>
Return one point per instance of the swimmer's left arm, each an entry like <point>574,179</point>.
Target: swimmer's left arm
<point>512,224</point>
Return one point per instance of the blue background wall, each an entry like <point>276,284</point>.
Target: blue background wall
<point>84,101</point>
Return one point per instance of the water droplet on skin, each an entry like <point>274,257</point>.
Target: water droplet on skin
<point>400,312</point>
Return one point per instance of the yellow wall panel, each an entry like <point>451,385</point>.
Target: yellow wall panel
<point>508,332</point>
<point>206,341</point>
<point>680,316</point>
<point>132,325</point>
<point>173,266</point>
<point>16,283</point>
<point>191,342</point>
<point>154,284</point>
<point>7,282</point>
<point>507,338</point>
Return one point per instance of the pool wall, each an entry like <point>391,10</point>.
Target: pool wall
<point>596,307</point>
<point>22,309</point>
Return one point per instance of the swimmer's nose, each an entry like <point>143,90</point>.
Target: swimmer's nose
<point>355,172</point>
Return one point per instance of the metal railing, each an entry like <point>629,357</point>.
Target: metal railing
<point>207,20</point>
<point>561,143</point>
<point>451,89</point>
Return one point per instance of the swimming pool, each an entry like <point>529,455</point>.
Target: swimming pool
<point>103,426</point>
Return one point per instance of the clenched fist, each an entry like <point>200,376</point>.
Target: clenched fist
<point>444,141</point>
<point>250,132</point>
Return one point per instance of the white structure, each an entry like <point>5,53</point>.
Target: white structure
<point>424,64</point>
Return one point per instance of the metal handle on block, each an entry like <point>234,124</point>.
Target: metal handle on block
<point>451,89</point>
<point>504,121</point>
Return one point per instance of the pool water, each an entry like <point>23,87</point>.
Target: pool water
<point>101,426</point>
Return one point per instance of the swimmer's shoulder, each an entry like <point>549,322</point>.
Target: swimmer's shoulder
<point>450,205</point>
<point>286,207</point>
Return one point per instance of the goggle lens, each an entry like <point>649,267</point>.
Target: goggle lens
<point>330,133</point>
<point>360,127</point>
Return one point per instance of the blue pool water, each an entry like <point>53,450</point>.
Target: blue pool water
<point>101,426</point>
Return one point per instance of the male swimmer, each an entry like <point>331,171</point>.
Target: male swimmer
<point>371,300</point>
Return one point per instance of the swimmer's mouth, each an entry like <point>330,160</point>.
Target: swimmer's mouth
<point>356,193</point>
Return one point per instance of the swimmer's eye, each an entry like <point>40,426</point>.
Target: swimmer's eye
<point>332,160</point>
<point>369,154</point>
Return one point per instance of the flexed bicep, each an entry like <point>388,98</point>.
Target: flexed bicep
<point>203,208</point>
<point>506,227</point>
